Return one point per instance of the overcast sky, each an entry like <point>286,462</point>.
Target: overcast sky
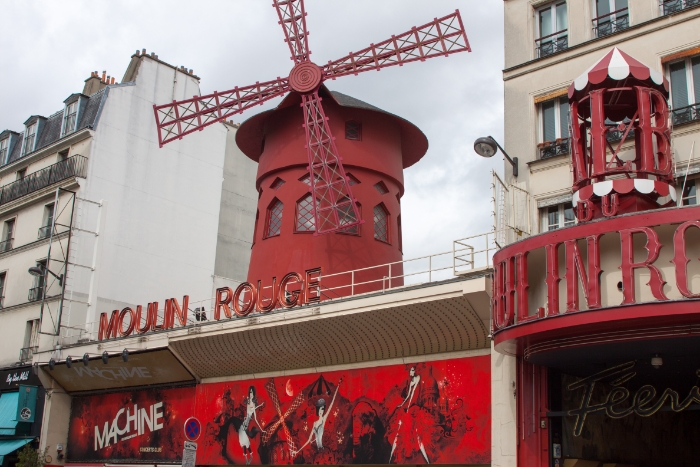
<point>50,47</point>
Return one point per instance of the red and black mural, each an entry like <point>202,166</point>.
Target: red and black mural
<point>432,412</point>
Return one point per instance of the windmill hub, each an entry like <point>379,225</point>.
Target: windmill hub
<point>305,77</point>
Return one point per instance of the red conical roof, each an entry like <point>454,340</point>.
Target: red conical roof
<point>614,67</point>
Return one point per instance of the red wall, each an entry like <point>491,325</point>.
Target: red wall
<point>448,419</point>
<point>377,157</point>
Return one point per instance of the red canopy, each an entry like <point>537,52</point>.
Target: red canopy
<point>614,67</point>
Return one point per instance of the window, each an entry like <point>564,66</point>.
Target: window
<point>63,155</point>
<point>4,150</point>
<point>277,184</point>
<point>398,226</point>
<point>29,139</point>
<point>8,231</point>
<point>560,215</point>
<point>685,90</point>
<point>21,173</point>
<point>381,223</point>
<point>347,216</point>
<point>552,35</point>
<point>31,340</point>
<point>255,227</point>
<point>305,221</point>
<point>352,180</point>
<point>47,223</point>
<point>70,118</point>
<point>554,122</point>
<point>307,179</point>
<point>690,196</point>
<point>274,218</point>
<point>353,130</point>
<point>672,6</point>
<point>381,188</point>
<point>37,290</point>
<point>3,276</point>
<point>611,16</point>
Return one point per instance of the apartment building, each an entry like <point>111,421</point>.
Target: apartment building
<point>548,46</point>
<point>95,216</point>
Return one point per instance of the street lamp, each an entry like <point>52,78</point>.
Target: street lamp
<point>487,147</point>
<point>40,270</point>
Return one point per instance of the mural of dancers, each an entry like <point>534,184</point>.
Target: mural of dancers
<point>245,431</point>
<point>319,425</point>
<point>412,419</point>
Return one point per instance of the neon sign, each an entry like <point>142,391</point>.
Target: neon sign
<point>642,403</point>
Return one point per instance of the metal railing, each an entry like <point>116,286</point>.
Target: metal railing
<point>26,353</point>
<point>74,166</point>
<point>468,255</point>
<point>35,294</point>
<point>673,6</point>
<point>610,23</point>
<point>616,135</point>
<point>687,114</point>
<point>6,245</point>
<point>555,148</point>
<point>552,43</point>
<point>44,232</point>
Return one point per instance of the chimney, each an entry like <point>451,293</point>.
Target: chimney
<point>93,84</point>
<point>104,75</point>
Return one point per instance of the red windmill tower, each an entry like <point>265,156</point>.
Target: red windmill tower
<point>333,205</point>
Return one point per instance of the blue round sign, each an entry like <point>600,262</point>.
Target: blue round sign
<point>192,428</point>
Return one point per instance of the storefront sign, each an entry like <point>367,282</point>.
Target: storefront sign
<point>437,412</point>
<point>293,290</point>
<point>136,426</point>
<point>13,378</point>
<point>620,403</point>
<point>512,287</point>
<point>145,368</point>
<point>26,403</point>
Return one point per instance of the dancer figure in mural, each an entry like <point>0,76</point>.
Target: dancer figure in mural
<point>317,428</point>
<point>411,419</point>
<point>245,431</point>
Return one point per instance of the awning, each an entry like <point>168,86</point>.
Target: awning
<point>8,446</point>
<point>8,413</point>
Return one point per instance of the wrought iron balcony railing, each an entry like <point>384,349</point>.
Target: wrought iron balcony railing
<point>616,135</point>
<point>75,166</point>
<point>554,148</point>
<point>44,232</point>
<point>26,353</point>
<point>35,294</point>
<point>672,6</point>
<point>605,25</point>
<point>6,245</point>
<point>552,43</point>
<point>690,113</point>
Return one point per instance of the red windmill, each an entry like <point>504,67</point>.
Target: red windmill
<point>334,206</point>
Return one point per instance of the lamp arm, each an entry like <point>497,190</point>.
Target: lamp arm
<point>513,161</point>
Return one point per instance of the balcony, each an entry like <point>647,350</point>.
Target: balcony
<point>6,245</point>
<point>687,114</point>
<point>611,23</point>
<point>552,43</point>
<point>673,6</point>
<point>36,294</point>
<point>615,134</point>
<point>554,148</point>
<point>75,166</point>
<point>26,353</point>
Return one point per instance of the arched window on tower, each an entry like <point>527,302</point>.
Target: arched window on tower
<point>347,216</point>
<point>381,223</point>
<point>274,218</point>
<point>255,227</point>
<point>353,130</point>
<point>305,221</point>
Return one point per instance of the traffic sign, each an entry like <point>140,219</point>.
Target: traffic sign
<point>193,428</point>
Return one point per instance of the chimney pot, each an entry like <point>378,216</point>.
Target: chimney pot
<point>143,51</point>
<point>153,54</point>
<point>138,52</point>
<point>104,74</point>
<point>112,80</point>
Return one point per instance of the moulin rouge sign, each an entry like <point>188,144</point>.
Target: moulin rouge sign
<point>293,290</point>
<point>511,285</point>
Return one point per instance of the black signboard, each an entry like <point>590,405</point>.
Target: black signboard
<point>11,378</point>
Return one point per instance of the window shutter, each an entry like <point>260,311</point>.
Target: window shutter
<point>564,117</point>
<point>696,78</point>
<point>679,85</point>
<point>548,121</point>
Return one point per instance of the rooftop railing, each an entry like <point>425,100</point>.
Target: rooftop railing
<point>75,166</point>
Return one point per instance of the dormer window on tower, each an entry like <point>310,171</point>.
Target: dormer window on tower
<point>70,118</point>
<point>29,138</point>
